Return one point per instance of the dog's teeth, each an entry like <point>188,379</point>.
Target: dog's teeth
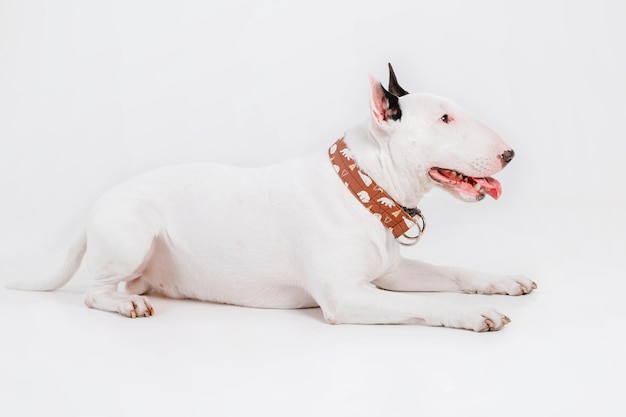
<point>477,187</point>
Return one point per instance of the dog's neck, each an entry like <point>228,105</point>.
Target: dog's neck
<point>375,158</point>
<point>395,217</point>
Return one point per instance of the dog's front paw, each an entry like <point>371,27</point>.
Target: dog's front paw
<point>486,320</point>
<point>493,284</point>
<point>478,320</point>
<point>512,285</point>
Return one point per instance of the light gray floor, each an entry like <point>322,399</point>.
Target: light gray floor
<point>562,353</point>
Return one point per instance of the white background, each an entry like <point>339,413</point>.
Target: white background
<point>93,92</point>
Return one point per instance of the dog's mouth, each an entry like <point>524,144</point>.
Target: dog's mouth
<point>464,187</point>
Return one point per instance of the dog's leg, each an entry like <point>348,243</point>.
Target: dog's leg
<point>119,248</point>
<point>363,303</point>
<point>138,286</point>
<point>410,275</point>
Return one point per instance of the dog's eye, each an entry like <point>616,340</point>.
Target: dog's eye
<point>445,118</point>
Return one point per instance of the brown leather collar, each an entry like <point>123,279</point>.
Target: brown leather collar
<point>391,214</point>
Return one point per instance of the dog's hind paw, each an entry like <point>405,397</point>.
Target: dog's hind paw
<point>140,308</point>
<point>128,305</point>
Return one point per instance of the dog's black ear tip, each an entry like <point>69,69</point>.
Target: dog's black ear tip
<point>394,87</point>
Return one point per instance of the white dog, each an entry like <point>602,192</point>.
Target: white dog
<point>319,231</point>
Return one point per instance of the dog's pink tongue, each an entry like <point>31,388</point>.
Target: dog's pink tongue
<point>490,186</point>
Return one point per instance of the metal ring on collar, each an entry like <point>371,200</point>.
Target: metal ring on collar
<point>406,240</point>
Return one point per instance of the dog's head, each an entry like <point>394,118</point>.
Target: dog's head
<point>434,142</point>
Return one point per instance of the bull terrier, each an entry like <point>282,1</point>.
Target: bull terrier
<point>321,231</point>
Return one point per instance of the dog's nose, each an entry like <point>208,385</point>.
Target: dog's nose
<point>507,156</point>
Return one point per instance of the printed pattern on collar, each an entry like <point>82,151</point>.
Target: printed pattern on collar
<point>365,189</point>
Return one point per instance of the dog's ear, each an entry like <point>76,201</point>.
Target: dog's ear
<point>384,105</point>
<point>394,87</point>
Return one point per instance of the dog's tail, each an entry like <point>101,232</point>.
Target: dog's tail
<point>72,262</point>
